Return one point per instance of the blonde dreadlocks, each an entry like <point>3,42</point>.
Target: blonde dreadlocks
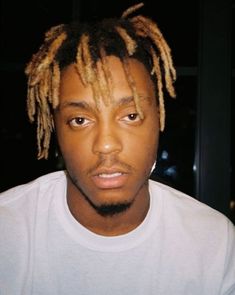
<point>84,44</point>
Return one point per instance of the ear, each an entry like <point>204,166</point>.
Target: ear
<point>153,167</point>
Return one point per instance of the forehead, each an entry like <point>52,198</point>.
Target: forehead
<point>71,86</point>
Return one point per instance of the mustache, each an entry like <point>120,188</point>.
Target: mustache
<point>109,162</point>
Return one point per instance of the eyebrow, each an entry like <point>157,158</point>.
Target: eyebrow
<point>74,103</point>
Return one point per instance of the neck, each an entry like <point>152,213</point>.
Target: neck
<point>117,224</point>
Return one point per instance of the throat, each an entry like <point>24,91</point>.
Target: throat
<point>110,224</point>
<point>118,224</point>
<point>113,227</point>
<point>108,219</point>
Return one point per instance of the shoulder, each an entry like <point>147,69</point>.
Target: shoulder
<point>194,222</point>
<point>31,189</point>
<point>199,230</point>
<point>189,211</point>
<point>178,199</point>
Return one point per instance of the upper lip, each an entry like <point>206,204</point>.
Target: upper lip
<point>108,171</point>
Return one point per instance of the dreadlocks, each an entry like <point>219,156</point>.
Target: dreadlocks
<point>84,44</point>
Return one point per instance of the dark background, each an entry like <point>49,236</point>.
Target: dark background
<point>195,150</point>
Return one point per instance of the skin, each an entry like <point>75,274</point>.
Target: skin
<point>107,149</point>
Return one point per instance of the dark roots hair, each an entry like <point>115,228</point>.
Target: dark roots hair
<point>84,44</point>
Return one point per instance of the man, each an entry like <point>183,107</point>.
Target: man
<point>102,227</point>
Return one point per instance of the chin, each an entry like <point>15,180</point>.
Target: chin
<point>109,210</point>
<point>109,202</point>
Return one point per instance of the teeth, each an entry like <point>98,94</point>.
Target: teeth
<point>104,175</point>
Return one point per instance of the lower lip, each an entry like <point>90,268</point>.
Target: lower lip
<point>111,182</point>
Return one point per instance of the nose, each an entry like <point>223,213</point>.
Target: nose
<point>107,140</point>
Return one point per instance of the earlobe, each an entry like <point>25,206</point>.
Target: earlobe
<point>153,167</point>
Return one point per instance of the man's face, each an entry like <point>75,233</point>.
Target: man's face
<point>108,150</point>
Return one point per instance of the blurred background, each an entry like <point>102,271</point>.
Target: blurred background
<point>195,154</point>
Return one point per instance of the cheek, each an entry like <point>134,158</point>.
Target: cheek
<point>142,149</point>
<point>74,150</point>
<point>77,160</point>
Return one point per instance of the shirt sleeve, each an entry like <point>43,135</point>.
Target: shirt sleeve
<point>228,283</point>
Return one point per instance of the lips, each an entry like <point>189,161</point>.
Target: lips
<point>109,179</point>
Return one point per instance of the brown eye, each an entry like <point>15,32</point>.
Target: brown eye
<point>78,121</point>
<point>133,117</point>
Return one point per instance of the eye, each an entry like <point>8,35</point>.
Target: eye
<point>133,117</point>
<point>78,121</point>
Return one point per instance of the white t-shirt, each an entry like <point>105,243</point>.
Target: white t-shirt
<point>181,247</point>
